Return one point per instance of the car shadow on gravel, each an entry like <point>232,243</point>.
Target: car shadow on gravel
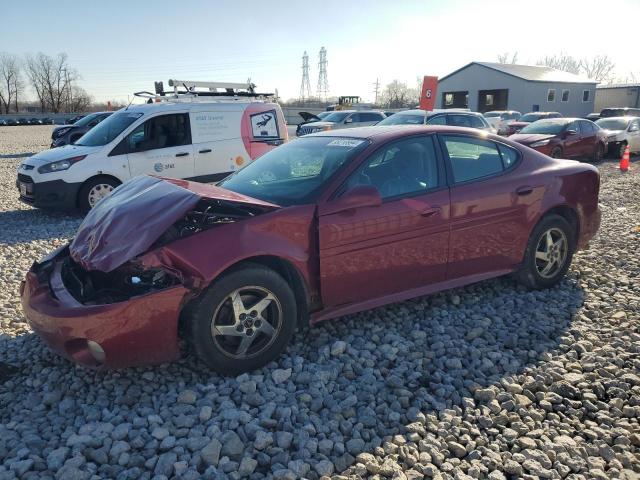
<point>405,363</point>
<point>25,226</point>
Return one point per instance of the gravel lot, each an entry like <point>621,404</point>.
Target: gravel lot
<point>489,381</point>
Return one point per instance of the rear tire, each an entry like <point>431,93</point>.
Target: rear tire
<point>243,321</point>
<point>556,152</point>
<point>548,254</point>
<point>94,190</point>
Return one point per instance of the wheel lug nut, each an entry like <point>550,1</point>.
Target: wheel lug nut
<point>243,316</point>
<point>254,313</point>
<point>249,332</point>
<point>239,328</point>
<point>257,323</point>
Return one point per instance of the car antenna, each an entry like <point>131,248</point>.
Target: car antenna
<point>132,99</point>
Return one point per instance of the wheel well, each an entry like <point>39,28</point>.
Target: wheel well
<point>570,215</point>
<point>284,268</point>
<point>111,177</point>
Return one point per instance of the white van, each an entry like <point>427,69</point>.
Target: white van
<point>201,136</point>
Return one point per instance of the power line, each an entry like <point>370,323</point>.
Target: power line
<point>305,88</point>
<point>323,83</point>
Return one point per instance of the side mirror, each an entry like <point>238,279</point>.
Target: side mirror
<point>349,120</point>
<point>357,197</point>
<point>568,133</point>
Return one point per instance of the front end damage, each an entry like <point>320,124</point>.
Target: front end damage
<point>112,298</point>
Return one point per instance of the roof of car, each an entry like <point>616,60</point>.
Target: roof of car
<point>418,111</point>
<point>531,73</point>
<point>392,131</point>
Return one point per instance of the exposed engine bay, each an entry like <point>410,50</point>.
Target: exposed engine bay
<point>99,288</point>
<point>207,213</point>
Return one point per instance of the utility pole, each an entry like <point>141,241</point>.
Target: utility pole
<point>323,83</point>
<point>305,88</point>
<point>377,85</point>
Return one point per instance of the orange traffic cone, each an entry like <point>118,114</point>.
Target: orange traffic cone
<point>624,161</point>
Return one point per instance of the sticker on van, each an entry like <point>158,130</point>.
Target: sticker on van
<point>265,124</point>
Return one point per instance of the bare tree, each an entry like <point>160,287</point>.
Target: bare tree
<point>51,78</point>
<point>599,68</point>
<point>508,57</point>
<point>10,81</point>
<point>397,95</point>
<point>80,101</point>
<point>563,62</point>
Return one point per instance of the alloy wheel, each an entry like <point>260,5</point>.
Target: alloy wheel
<point>551,252</point>
<point>247,322</point>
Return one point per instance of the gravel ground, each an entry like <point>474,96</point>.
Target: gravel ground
<point>488,381</point>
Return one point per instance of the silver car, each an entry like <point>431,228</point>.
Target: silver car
<point>343,119</point>
<point>455,118</point>
<point>621,131</point>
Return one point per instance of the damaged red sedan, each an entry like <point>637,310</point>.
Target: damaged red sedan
<point>331,224</point>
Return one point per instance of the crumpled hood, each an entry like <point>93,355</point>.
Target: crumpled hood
<point>129,221</point>
<point>60,153</point>
<point>527,138</point>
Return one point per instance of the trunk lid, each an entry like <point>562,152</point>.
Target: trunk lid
<point>130,220</point>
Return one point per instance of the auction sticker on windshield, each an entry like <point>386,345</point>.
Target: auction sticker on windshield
<point>345,142</point>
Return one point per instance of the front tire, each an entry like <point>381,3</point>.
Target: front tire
<point>556,153</point>
<point>621,148</point>
<point>548,254</point>
<point>94,190</point>
<point>243,321</point>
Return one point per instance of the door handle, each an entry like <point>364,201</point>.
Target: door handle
<point>206,150</point>
<point>182,154</point>
<point>430,212</point>
<point>526,190</point>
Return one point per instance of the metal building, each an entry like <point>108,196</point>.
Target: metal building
<point>618,95</point>
<point>483,86</point>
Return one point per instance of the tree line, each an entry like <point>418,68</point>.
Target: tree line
<point>51,78</point>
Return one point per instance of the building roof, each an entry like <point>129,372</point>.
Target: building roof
<point>620,85</point>
<point>530,73</point>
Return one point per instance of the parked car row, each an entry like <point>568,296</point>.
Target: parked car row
<point>25,121</point>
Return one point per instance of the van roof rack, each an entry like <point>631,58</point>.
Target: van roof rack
<point>197,90</point>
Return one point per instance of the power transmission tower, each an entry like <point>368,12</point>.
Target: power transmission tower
<point>323,83</point>
<point>305,87</point>
<point>376,90</point>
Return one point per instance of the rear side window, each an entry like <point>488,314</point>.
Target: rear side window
<point>475,158</point>
<point>437,120</point>
<point>370,117</point>
<point>509,155</point>
<point>460,120</point>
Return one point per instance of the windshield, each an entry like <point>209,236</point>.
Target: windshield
<point>108,129</point>
<point>491,114</point>
<point>86,120</point>
<point>531,117</point>
<point>294,173</point>
<point>323,114</point>
<point>546,127</point>
<point>613,123</point>
<point>335,117</point>
<point>403,119</point>
<point>612,112</point>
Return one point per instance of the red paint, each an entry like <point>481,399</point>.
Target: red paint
<point>349,260</point>
<point>428,93</point>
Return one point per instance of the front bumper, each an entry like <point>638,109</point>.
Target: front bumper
<point>140,331</point>
<point>53,194</point>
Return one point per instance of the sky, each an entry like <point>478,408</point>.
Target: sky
<point>119,47</point>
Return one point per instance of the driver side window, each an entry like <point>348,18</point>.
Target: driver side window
<point>163,131</point>
<point>400,169</point>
